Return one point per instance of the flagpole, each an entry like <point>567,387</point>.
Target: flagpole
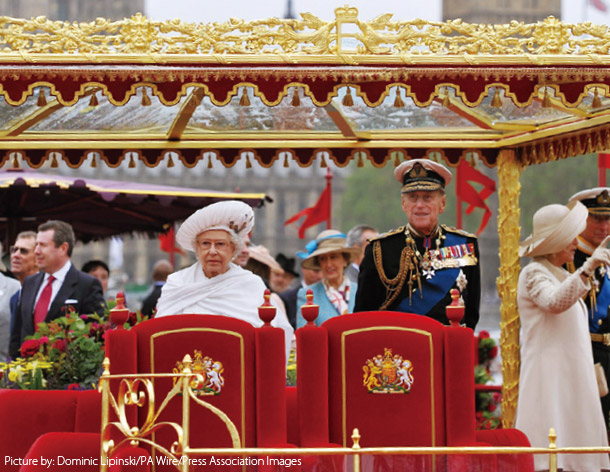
<point>458,198</point>
<point>172,253</point>
<point>329,186</point>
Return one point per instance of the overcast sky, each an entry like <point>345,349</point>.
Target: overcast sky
<point>573,11</point>
<point>581,11</point>
<point>207,11</point>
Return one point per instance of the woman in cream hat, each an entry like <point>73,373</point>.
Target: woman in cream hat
<point>214,284</point>
<point>557,385</point>
<point>335,294</point>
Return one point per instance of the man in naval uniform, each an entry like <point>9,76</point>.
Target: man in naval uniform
<point>597,201</point>
<point>414,268</point>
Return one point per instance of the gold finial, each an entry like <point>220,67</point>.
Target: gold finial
<point>552,445</point>
<point>187,360</point>
<point>552,439</point>
<point>106,365</point>
<point>356,439</point>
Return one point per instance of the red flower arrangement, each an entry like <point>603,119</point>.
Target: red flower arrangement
<point>487,403</point>
<point>70,349</point>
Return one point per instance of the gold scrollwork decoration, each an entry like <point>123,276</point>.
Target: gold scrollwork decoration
<point>138,391</point>
<point>290,40</point>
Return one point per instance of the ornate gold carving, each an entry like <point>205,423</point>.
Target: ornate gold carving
<point>509,171</point>
<point>138,390</point>
<point>288,40</point>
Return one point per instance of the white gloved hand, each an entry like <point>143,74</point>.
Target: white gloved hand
<point>601,256</point>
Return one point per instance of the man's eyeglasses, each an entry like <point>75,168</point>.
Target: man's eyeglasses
<point>23,250</point>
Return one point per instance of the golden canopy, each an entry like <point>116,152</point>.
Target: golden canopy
<point>286,90</point>
<point>300,91</point>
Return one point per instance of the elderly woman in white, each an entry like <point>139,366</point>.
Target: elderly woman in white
<point>214,284</point>
<point>557,384</point>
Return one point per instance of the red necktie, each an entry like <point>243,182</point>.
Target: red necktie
<point>42,306</point>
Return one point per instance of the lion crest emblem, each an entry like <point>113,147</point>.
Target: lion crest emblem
<point>210,371</point>
<point>388,373</point>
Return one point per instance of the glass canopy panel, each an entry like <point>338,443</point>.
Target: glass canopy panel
<point>130,118</point>
<point>13,115</point>
<point>533,114</point>
<point>260,117</point>
<point>388,117</point>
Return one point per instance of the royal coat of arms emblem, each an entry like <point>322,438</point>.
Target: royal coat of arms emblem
<point>211,380</point>
<point>388,373</point>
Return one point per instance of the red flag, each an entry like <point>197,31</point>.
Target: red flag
<point>603,160</point>
<point>315,214</point>
<point>167,242</point>
<point>465,174</point>
<point>599,4</point>
<point>603,163</point>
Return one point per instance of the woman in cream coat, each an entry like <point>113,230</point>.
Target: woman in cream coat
<point>557,384</point>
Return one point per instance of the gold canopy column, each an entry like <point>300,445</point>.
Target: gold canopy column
<point>509,171</point>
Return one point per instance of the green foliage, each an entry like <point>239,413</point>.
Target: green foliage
<point>372,197</point>
<point>291,369</point>
<point>554,182</point>
<point>65,353</point>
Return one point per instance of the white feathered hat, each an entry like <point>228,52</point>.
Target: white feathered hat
<point>232,216</point>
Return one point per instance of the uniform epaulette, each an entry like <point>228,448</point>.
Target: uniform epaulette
<point>451,229</point>
<point>389,233</point>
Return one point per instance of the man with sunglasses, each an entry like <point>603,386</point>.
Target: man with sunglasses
<point>23,264</point>
<point>23,260</point>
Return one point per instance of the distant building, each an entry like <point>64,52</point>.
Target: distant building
<point>71,10</point>
<point>501,11</point>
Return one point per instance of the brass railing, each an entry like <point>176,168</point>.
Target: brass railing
<point>138,390</point>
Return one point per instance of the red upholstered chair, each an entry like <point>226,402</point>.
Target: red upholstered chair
<point>250,389</point>
<point>34,423</point>
<point>51,424</point>
<point>401,379</point>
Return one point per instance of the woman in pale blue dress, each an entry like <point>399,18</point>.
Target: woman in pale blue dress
<point>335,294</point>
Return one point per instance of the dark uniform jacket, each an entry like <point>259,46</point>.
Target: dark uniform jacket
<point>597,301</point>
<point>453,265</point>
<point>85,289</point>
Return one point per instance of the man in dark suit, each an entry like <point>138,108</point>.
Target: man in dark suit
<point>47,295</point>
<point>359,237</point>
<point>161,271</point>
<point>289,297</point>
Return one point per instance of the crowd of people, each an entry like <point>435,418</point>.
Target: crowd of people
<point>563,293</point>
